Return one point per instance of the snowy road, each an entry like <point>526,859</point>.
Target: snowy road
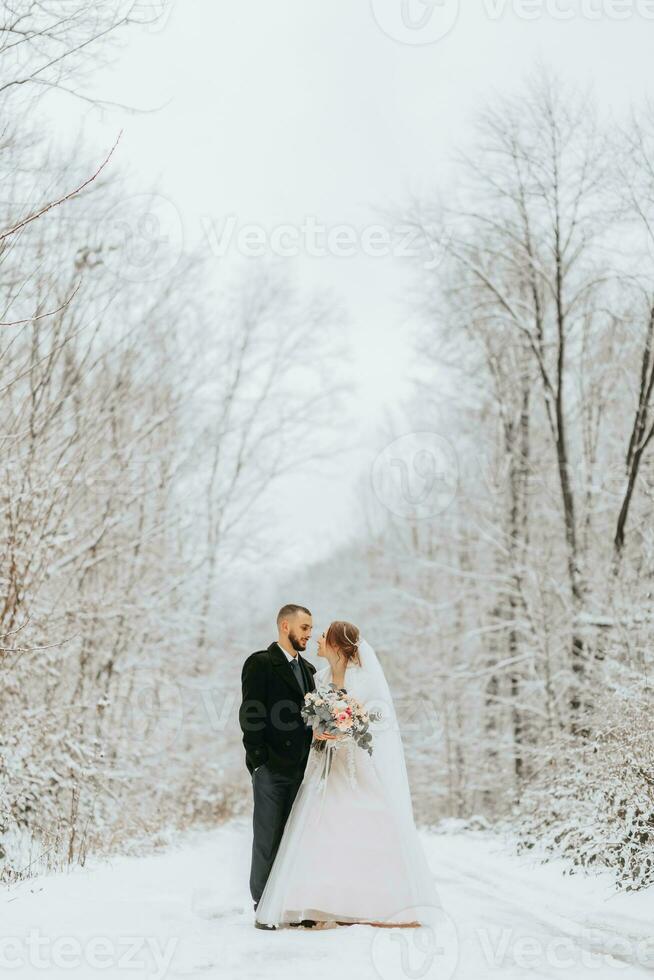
<point>185,913</point>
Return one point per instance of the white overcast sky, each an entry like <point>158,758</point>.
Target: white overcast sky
<point>278,110</point>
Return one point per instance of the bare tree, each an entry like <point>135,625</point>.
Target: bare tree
<point>524,236</point>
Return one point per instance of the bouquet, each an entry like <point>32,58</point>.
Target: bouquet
<point>332,711</point>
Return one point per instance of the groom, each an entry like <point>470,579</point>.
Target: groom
<point>276,739</point>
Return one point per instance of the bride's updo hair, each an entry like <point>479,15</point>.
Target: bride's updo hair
<point>345,638</point>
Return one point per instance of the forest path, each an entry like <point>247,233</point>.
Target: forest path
<point>185,913</point>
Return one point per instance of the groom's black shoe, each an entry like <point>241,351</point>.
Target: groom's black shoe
<point>305,924</point>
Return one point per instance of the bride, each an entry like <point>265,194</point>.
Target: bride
<point>350,851</point>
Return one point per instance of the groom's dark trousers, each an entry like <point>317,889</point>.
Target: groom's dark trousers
<point>277,743</point>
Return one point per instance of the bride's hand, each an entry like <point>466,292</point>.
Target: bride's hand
<point>324,737</point>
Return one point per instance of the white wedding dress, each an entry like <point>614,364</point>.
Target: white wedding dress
<point>350,850</point>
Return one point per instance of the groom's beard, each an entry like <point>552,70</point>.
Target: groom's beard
<point>298,645</point>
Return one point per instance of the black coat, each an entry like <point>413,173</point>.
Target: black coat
<point>273,729</point>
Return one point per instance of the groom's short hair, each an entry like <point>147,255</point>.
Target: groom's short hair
<point>290,610</point>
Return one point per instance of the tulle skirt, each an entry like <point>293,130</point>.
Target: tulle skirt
<point>342,857</point>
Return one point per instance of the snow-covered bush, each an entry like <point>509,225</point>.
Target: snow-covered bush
<point>594,803</point>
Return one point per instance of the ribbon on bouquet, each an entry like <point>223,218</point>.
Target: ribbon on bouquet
<point>327,759</point>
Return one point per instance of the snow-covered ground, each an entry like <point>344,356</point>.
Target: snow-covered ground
<point>185,912</point>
